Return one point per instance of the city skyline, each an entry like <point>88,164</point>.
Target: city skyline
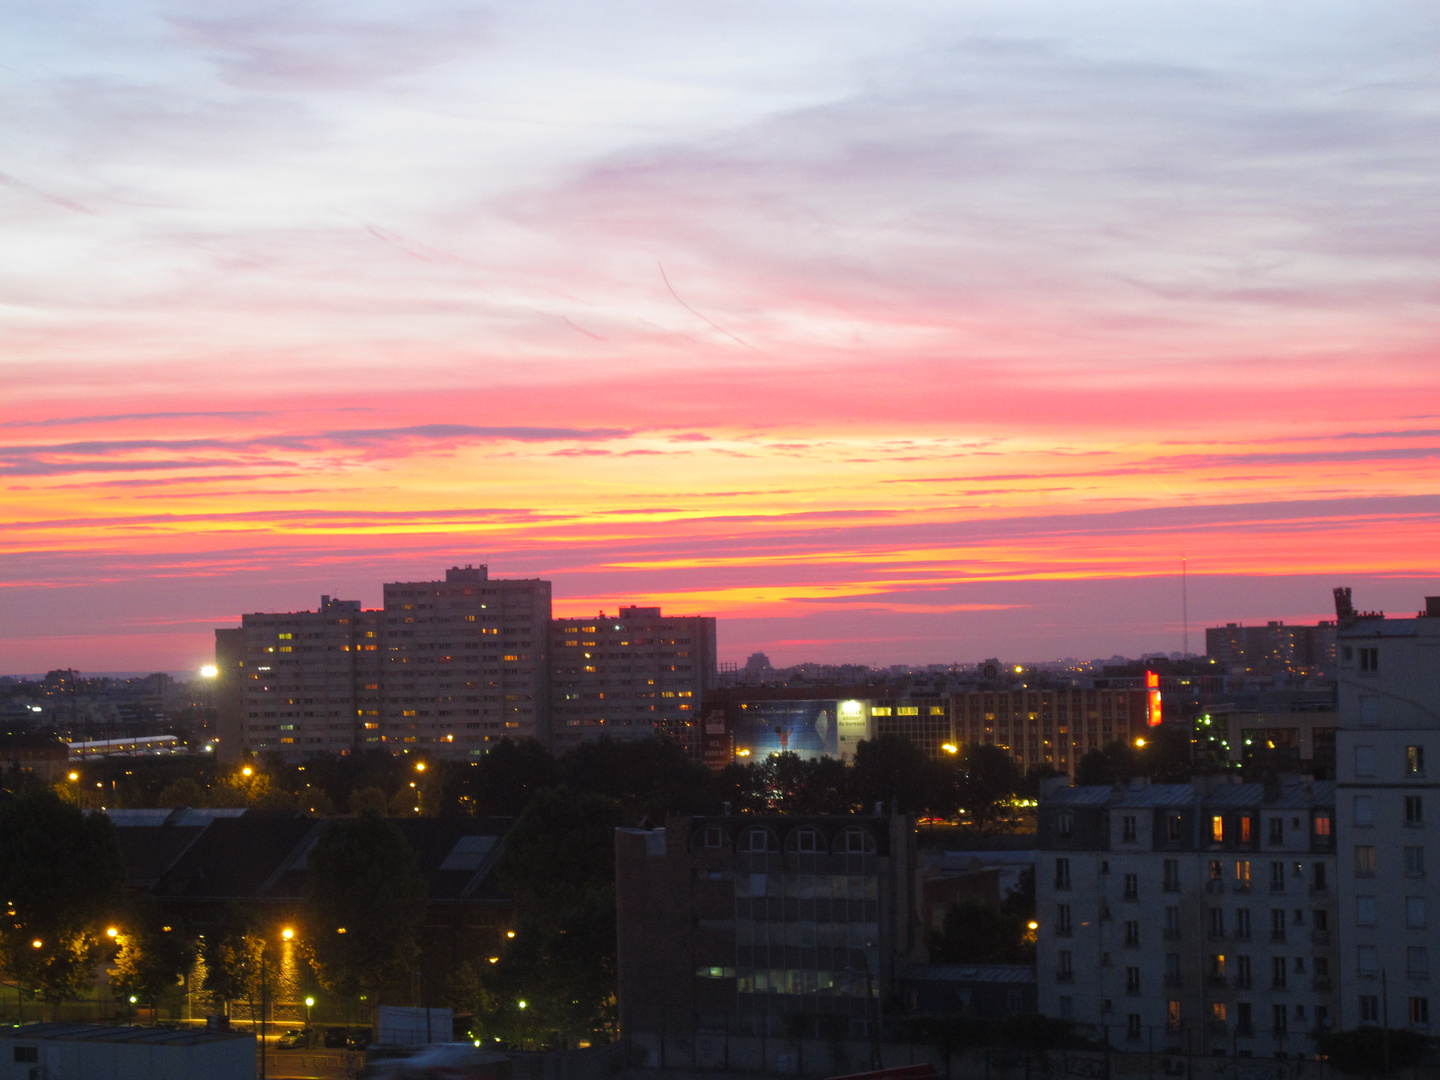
<point>881,334</point>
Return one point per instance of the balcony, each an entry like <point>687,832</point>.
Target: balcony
<point>1215,980</point>
<point>1244,1031</point>
<point>1277,984</point>
<point>1215,885</point>
<point>1242,982</point>
<point>1277,888</point>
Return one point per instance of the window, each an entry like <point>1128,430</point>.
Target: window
<point>1277,924</point>
<point>1132,886</point>
<point>1062,873</point>
<point>1172,922</point>
<point>1365,961</point>
<point>1217,829</point>
<point>1364,761</point>
<point>1420,1011</point>
<point>1242,923</point>
<point>1369,710</point>
<point>1322,826</point>
<point>1245,829</point>
<point>1217,922</point>
<point>1172,828</point>
<point>1320,919</point>
<point>1127,829</point>
<point>1242,1017</point>
<point>1415,862</point>
<point>1277,877</point>
<point>1217,968</point>
<point>1364,860</point>
<point>1417,960</point>
<point>1364,911</point>
<point>1132,933</point>
<point>1132,980</point>
<point>1369,660</point>
<point>1277,972</point>
<point>1132,1027</point>
<point>759,840</point>
<point>1369,1009</point>
<point>1278,1019</point>
<point>1242,875</point>
<point>1172,1015</point>
<point>1242,971</point>
<point>1277,830</point>
<point>1414,810</point>
<point>707,972</point>
<point>1217,874</point>
<point>1066,969</point>
<point>1172,969</point>
<point>27,1055</point>
<point>807,840</point>
<point>1172,875</point>
<point>714,836</point>
<point>1364,810</point>
<point>1414,761</point>
<point>860,842</point>
<point>1062,919</point>
<point>1064,824</point>
<point>1415,912</point>
<point>1320,883</point>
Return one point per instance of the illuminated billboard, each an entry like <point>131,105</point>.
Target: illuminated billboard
<point>1152,685</point>
<point>807,728</point>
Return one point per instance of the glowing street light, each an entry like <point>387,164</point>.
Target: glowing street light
<point>247,771</point>
<point>112,932</point>
<point>950,748</point>
<point>36,943</point>
<point>74,776</point>
<point>287,933</point>
<point>419,766</point>
<point>1140,742</point>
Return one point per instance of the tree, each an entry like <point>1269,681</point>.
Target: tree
<point>62,874</point>
<point>650,777</point>
<point>891,767</point>
<point>986,783</point>
<point>363,880</point>
<point>154,955</point>
<point>820,786</point>
<point>1114,763</point>
<point>510,773</point>
<point>977,931</point>
<point>182,791</point>
<point>232,957</point>
<point>559,868</point>
<point>368,800</point>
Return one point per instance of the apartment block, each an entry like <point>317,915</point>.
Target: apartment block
<point>1191,918</point>
<point>1053,727</point>
<point>444,668</point>
<point>764,925</point>
<point>630,676</point>
<point>1387,772</point>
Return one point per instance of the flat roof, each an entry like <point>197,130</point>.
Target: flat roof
<point>153,1036</point>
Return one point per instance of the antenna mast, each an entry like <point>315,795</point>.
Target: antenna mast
<point>1184,607</point>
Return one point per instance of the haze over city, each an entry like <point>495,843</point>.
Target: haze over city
<point>883,333</point>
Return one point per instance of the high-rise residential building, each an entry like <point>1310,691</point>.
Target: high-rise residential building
<point>444,668</point>
<point>1389,811</point>
<point>1191,918</point>
<point>1273,649</point>
<point>631,675</point>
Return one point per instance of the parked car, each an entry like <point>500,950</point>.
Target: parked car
<point>293,1039</point>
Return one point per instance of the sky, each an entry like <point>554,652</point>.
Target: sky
<point>884,332</point>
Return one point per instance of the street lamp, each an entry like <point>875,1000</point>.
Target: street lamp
<point>309,1004</point>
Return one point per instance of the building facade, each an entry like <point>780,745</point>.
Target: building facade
<point>785,925</point>
<point>444,668</point>
<point>1389,705</point>
<point>632,675</point>
<point>1193,918</point>
<point>1273,649</point>
<point>1053,727</point>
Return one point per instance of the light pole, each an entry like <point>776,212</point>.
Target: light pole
<point>309,1004</point>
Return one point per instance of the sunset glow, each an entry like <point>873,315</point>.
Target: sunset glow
<point>882,333</point>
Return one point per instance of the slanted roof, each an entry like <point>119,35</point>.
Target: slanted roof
<point>237,858</point>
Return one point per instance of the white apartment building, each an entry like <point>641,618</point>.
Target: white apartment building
<point>1189,918</point>
<point>630,676</point>
<point>1388,807</point>
<point>444,668</point>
